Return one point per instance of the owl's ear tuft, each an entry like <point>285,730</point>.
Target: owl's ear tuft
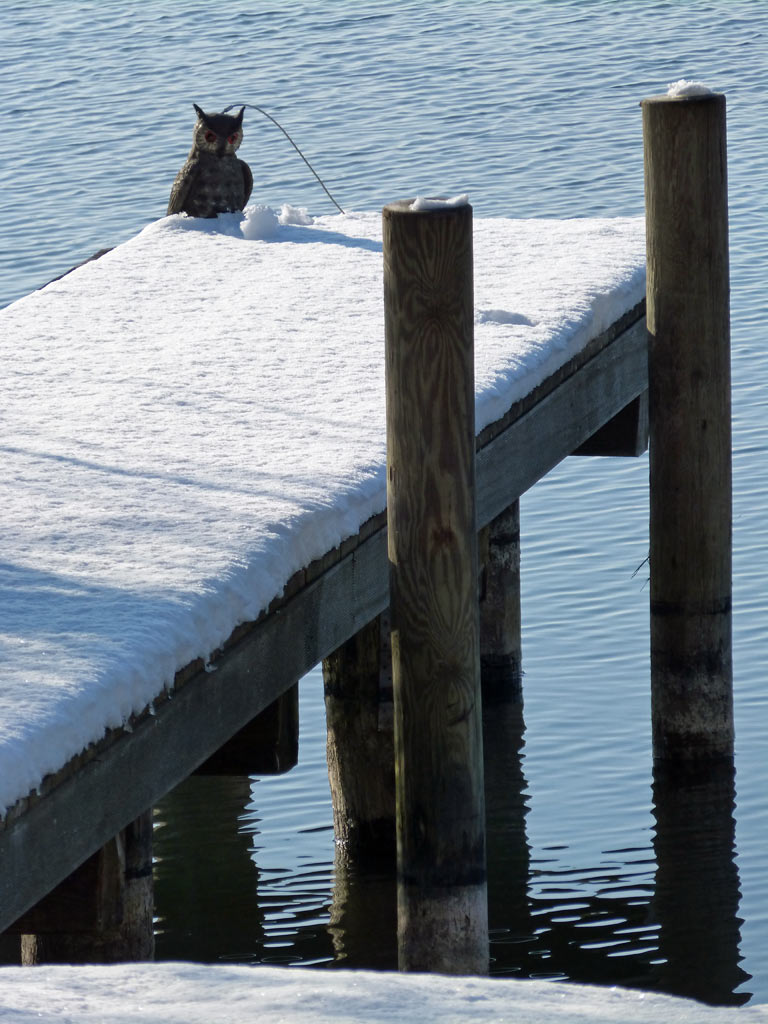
<point>239,118</point>
<point>199,112</point>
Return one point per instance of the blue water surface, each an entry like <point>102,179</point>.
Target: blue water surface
<point>532,108</point>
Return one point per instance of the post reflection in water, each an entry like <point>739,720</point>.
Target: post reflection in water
<point>697,883</point>
<point>363,923</point>
<point>364,911</point>
<point>247,871</point>
<point>508,854</point>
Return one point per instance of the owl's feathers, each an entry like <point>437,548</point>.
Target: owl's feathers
<point>213,180</point>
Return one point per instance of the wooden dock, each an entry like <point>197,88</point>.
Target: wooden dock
<point>114,782</point>
<point>596,403</point>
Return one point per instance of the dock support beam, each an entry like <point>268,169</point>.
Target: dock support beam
<point>267,745</point>
<point>690,426</point>
<point>432,541</point>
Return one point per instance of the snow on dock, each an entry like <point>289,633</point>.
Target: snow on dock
<point>195,416</point>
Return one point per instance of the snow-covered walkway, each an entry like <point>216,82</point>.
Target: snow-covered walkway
<point>192,418</point>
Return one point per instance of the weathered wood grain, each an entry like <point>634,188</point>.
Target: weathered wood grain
<point>690,426</point>
<point>429,345</point>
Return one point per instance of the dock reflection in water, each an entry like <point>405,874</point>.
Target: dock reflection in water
<point>247,872</point>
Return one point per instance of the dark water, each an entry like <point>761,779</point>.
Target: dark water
<point>598,872</point>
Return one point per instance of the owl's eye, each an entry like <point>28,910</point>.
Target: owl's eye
<point>233,138</point>
<point>210,136</point>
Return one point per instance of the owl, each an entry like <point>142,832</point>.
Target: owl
<point>213,180</point>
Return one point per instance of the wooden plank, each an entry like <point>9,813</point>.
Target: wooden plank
<point>44,838</point>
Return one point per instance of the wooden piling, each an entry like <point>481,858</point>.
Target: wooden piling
<point>432,543</point>
<point>357,680</point>
<point>690,426</point>
<point>103,912</point>
<point>500,629</point>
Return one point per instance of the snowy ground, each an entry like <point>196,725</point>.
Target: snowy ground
<point>193,994</point>
<point>189,420</point>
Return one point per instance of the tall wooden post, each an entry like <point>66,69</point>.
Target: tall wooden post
<point>690,426</point>
<point>428,295</point>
